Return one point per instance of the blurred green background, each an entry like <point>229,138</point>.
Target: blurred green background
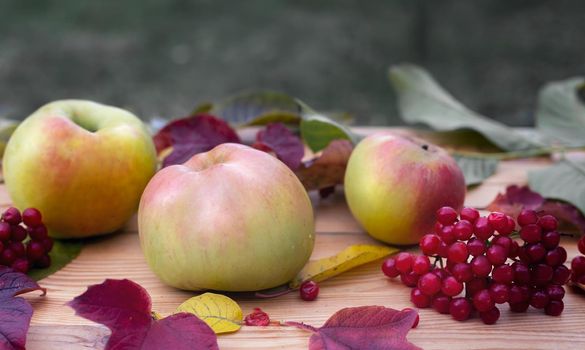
<point>163,57</point>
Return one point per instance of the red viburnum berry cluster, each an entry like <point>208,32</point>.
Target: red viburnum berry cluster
<point>24,256</point>
<point>578,264</point>
<point>484,266</point>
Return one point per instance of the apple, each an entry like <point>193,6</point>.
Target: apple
<point>84,165</point>
<point>231,219</point>
<point>394,185</point>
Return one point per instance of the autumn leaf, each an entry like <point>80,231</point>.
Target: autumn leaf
<point>350,257</point>
<point>327,169</point>
<point>125,308</point>
<point>257,318</point>
<point>287,147</point>
<point>365,327</point>
<point>192,135</point>
<point>220,313</point>
<point>517,198</point>
<point>15,313</point>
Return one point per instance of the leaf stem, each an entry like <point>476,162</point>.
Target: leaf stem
<point>536,152</point>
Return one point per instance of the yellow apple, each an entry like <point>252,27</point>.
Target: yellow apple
<point>231,219</point>
<point>84,165</point>
<point>394,185</point>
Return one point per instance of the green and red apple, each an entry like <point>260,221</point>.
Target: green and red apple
<point>394,185</point>
<point>84,165</point>
<point>231,219</point>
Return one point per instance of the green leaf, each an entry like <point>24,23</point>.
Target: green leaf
<point>422,100</point>
<point>564,180</point>
<point>257,108</point>
<point>476,169</point>
<point>318,131</point>
<point>63,253</point>
<point>7,127</point>
<point>561,111</point>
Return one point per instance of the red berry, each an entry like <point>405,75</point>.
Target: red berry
<point>7,257</point>
<point>429,284</point>
<point>581,245</point>
<point>476,247</point>
<point>463,230</point>
<point>482,228</point>
<point>531,233</point>
<point>457,252</point>
<point>440,272</point>
<point>521,273</point>
<point>446,215</point>
<point>34,250</point>
<point>551,239</point>
<point>519,307</point>
<point>309,290</point>
<point>451,287</point>
<point>469,214</point>
<point>409,279</point>
<point>421,264</point>
<point>404,262</point>
<point>20,265</point>
<point>429,244</point>
<point>519,294</point>
<point>475,285</point>
<point>460,309</point>
<point>12,216</point>
<point>441,303</point>
<point>510,226</point>
<point>556,256</point>
<point>483,301</point>
<point>419,299</point>
<point>500,293</point>
<point>578,265</point>
<point>32,217</point>
<point>503,241</point>
<point>555,292</point>
<point>491,316</point>
<point>481,266</point>
<point>5,231</point>
<point>497,255</point>
<point>43,262</point>
<point>527,217</point>
<point>38,232</point>
<point>554,308</point>
<point>47,244</point>
<point>535,252</point>
<point>498,221</point>
<point>448,235</point>
<point>17,248</point>
<point>541,274</point>
<point>503,274</point>
<point>561,275</point>
<point>18,233</point>
<point>462,272</point>
<point>539,299</point>
<point>548,223</point>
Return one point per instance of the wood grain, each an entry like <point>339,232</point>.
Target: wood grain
<point>54,325</point>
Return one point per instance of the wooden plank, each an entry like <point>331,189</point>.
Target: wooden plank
<point>54,325</point>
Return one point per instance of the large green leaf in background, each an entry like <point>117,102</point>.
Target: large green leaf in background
<point>318,131</point>
<point>476,169</point>
<point>422,100</point>
<point>564,180</point>
<point>561,111</point>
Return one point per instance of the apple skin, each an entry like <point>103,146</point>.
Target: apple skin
<point>394,186</point>
<point>84,165</point>
<point>231,219</point>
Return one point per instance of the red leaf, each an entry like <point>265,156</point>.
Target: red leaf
<point>279,139</point>
<point>192,135</point>
<point>125,308</point>
<point>366,327</point>
<point>257,318</point>
<point>517,198</point>
<point>15,313</point>
<point>328,169</point>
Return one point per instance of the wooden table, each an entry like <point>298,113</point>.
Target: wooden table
<point>54,325</point>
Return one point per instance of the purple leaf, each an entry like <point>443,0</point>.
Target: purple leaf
<point>125,308</point>
<point>192,135</point>
<point>366,327</point>
<point>279,139</point>
<point>15,313</point>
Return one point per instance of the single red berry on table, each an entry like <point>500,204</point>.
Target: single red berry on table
<point>491,316</point>
<point>309,290</point>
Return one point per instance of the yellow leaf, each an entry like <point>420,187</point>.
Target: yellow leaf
<point>221,313</point>
<point>350,257</point>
